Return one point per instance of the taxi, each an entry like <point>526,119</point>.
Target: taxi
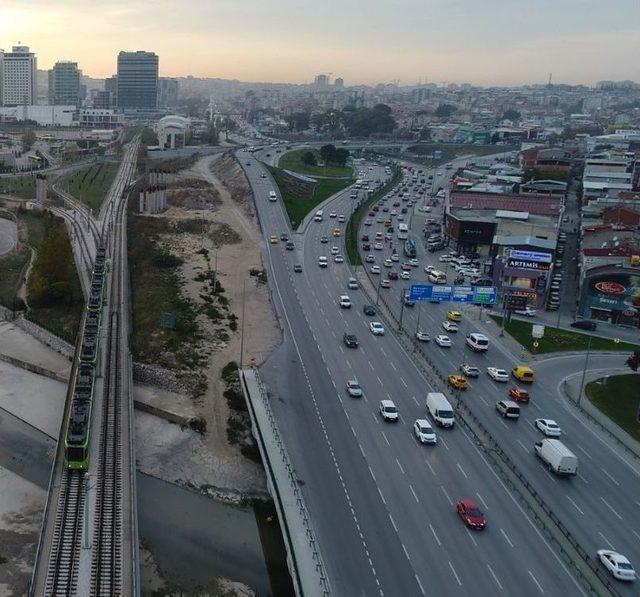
<point>523,373</point>
<point>273,239</point>
<point>337,232</point>
<point>458,382</point>
<point>454,316</point>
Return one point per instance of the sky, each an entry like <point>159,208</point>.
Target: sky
<point>484,42</point>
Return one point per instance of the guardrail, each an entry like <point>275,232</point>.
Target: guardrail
<point>319,566</point>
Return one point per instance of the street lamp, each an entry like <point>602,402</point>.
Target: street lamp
<point>584,370</point>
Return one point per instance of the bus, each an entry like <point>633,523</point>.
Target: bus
<point>403,231</point>
<point>409,248</point>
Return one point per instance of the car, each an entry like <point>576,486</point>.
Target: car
<point>273,239</point>
<point>393,275</point>
<point>428,269</point>
<point>387,263</point>
<point>617,565</point>
<point>366,246</point>
<point>395,257</point>
<point>519,395</point>
<point>423,336</point>
<point>284,237</point>
<point>335,250</point>
<point>385,283</point>
<point>290,246</point>
<point>378,246</point>
<point>405,275</point>
<point>324,240</point>
<point>375,269</point>
<point>372,213</point>
<point>405,267</point>
<point>368,222</point>
<point>522,373</point>
<point>352,284</point>
<point>414,262</point>
<point>369,310</point>
<point>263,175</point>
<point>364,237</point>
<point>403,210</point>
<point>443,341</point>
<point>247,163</point>
<point>584,324</point>
<point>379,235</point>
<point>471,514</point>
<point>297,268</point>
<point>333,214</point>
<point>469,370</point>
<point>370,259</point>
<point>458,382</point>
<point>341,219</point>
<point>388,411</point>
<point>354,389</point>
<point>528,311</point>
<point>549,427</point>
<point>376,328</point>
<point>497,374</point>
<point>338,259</point>
<point>350,340</point>
<point>424,432</point>
<point>322,261</point>
<point>449,326</point>
<point>344,301</point>
<point>454,316</point>
<point>408,301</point>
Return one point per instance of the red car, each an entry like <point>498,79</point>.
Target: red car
<point>375,208</point>
<point>372,213</point>
<point>471,514</point>
<point>365,237</point>
<point>393,275</point>
<point>519,395</point>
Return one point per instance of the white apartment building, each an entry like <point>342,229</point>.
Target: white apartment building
<point>605,178</point>
<point>18,77</point>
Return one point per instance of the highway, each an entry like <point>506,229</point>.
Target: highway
<point>382,504</point>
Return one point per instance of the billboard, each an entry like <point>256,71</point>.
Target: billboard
<point>485,295</point>
<point>531,256</point>
<point>615,291</point>
<point>469,231</point>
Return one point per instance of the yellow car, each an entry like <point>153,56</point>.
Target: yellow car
<point>273,239</point>
<point>523,373</point>
<point>458,382</point>
<point>336,232</point>
<point>454,316</point>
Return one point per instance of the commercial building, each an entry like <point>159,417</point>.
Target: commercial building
<point>137,80</point>
<point>604,178</point>
<point>18,77</point>
<point>100,118</point>
<point>321,81</point>
<point>167,92</point>
<point>173,131</point>
<point>64,84</point>
<point>43,115</point>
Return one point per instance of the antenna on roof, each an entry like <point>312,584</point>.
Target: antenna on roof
<point>549,83</point>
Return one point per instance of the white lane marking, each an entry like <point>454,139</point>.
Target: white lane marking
<point>406,553</point>
<point>400,467</point>
<point>395,528</point>
<point>372,475</point>
<point>360,446</point>
<point>404,383</point>
<point>446,494</point>
<point>444,443</point>
<point>608,505</point>
<point>636,534</point>
<point>454,572</point>
<point>382,497</point>
<point>483,401</point>
<point>419,584</point>
<point>584,451</point>
<point>504,534</point>
<point>486,507</point>
<point>462,470</point>
<point>414,493</point>
<point>375,419</point>
<point>583,478</point>
<point>379,380</point>
<point>385,438</point>
<point>606,540</point>
<point>430,468</point>
<point>535,580</point>
<point>435,535</point>
<point>348,363</point>
<point>523,446</point>
<point>575,505</point>
<point>494,576</point>
<point>370,365</point>
<point>393,366</point>
<point>505,426</point>
<point>471,536</point>
<point>610,477</point>
<point>383,352</point>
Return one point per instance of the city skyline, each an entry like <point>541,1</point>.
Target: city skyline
<point>497,43</point>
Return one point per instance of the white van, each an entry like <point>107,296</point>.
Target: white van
<point>437,277</point>
<point>273,196</point>
<point>557,456</point>
<point>478,342</point>
<point>319,215</point>
<point>440,409</point>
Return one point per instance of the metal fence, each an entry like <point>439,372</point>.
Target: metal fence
<point>293,482</point>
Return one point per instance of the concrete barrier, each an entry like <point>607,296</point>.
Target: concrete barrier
<point>33,368</point>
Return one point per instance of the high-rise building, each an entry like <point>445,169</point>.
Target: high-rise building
<point>321,81</point>
<point>64,84</point>
<point>167,92</point>
<point>339,82</point>
<point>18,77</point>
<point>137,80</point>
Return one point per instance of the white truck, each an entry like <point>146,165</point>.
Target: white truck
<point>557,456</point>
<point>440,409</point>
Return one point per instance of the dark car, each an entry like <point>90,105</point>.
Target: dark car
<point>324,239</point>
<point>408,302</point>
<point>369,310</point>
<point>385,209</point>
<point>297,268</point>
<point>350,340</point>
<point>284,237</point>
<point>403,210</point>
<point>365,237</point>
<point>393,275</point>
<point>585,325</point>
<point>366,247</point>
<point>290,246</point>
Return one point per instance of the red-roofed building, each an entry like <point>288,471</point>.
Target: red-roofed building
<point>544,205</point>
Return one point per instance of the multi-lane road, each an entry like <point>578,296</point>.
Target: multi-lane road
<point>382,504</point>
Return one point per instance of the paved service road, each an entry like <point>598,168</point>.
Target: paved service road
<point>382,505</point>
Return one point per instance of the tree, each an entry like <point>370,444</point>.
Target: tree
<point>28,139</point>
<point>327,153</point>
<point>633,362</point>
<point>210,137</point>
<point>298,121</point>
<point>512,115</point>
<point>309,158</point>
<point>368,121</point>
<point>445,110</point>
<point>340,156</point>
<point>148,136</point>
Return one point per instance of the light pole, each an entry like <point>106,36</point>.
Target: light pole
<point>401,309</point>
<point>584,371</point>
<point>244,283</point>
<point>378,288</point>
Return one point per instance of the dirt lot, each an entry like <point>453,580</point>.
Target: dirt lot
<point>220,259</point>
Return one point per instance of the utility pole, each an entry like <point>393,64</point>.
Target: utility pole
<point>584,371</point>
<point>401,309</point>
<point>244,283</point>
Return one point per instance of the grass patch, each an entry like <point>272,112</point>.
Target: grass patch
<point>12,267</point>
<point>91,184</point>
<point>558,340</point>
<point>298,206</point>
<point>155,290</point>
<point>292,160</point>
<point>23,187</point>
<point>353,225</point>
<point>619,400</point>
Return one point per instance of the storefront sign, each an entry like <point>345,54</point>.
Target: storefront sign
<point>524,264</point>
<point>530,256</point>
<point>609,287</point>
